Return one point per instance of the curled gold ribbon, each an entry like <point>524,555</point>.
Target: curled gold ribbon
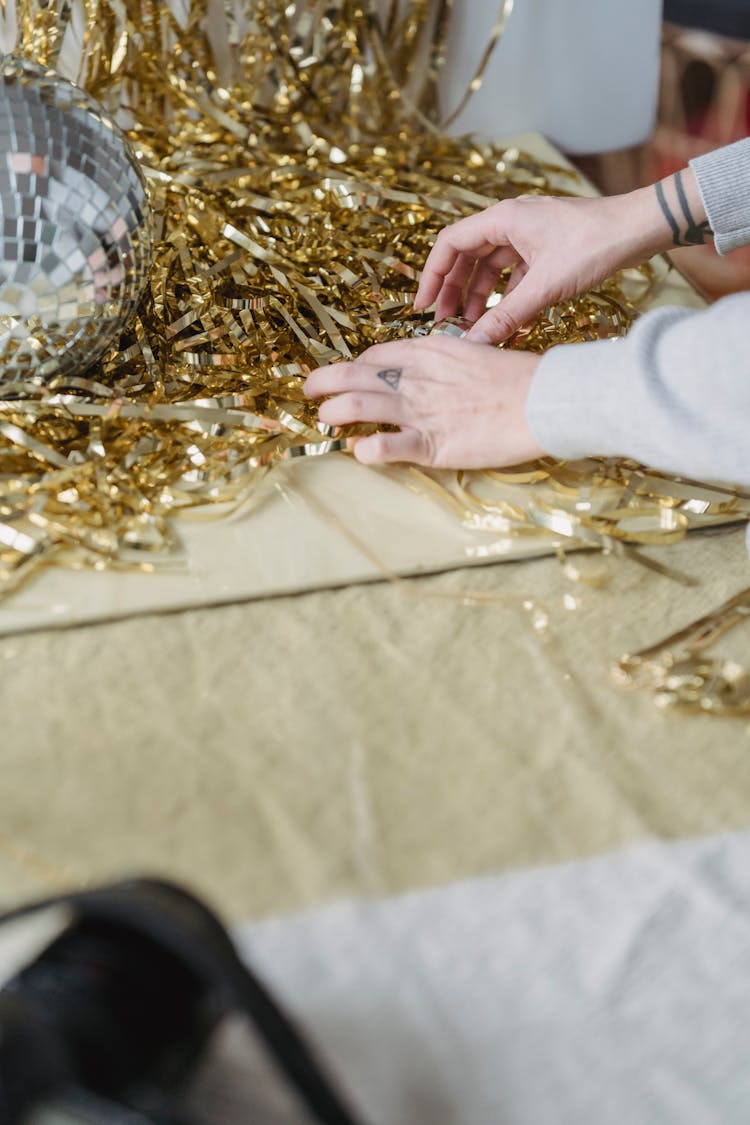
<point>679,673</point>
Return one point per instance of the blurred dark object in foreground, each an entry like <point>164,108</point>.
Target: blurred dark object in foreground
<point>107,1021</point>
<point>704,104</point>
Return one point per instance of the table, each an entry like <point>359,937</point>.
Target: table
<point>459,805</point>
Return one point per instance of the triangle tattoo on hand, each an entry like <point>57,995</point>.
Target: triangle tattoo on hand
<point>391,376</point>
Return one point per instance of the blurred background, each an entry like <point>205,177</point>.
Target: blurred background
<point>704,102</point>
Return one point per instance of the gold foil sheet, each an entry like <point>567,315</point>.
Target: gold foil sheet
<point>299,177</point>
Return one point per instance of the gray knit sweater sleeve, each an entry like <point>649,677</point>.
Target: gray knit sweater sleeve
<point>724,183</point>
<point>674,394</point>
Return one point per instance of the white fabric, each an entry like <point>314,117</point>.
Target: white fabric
<point>583,73</point>
<point>612,990</point>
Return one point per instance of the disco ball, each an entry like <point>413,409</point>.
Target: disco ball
<point>76,238</point>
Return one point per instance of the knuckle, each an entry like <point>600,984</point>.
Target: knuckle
<point>445,242</point>
<point>379,353</point>
<point>379,447</point>
<point>503,325</point>
<point>337,371</point>
<point>427,448</point>
<point>373,354</point>
<point>419,395</point>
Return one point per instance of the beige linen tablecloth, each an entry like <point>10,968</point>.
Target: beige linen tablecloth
<point>282,753</point>
<point>502,919</point>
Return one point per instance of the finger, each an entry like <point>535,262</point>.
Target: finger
<point>477,235</point>
<point>432,278</point>
<point>329,380</point>
<point>466,236</point>
<point>515,279</point>
<point>379,449</point>
<point>359,406</point>
<point>358,375</point>
<point>424,351</point>
<point>449,298</point>
<point>514,310</point>
<point>485,279</point>
<point>389,367</point>
<point>501,258</point>
<point>382,367</point>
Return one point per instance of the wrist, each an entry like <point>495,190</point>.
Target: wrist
<point>684,214</point>
<point>644,220</point>
<point>662,216</point>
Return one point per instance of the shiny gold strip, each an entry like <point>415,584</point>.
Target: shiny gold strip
<point>496,35</point>
<point>688,680</point>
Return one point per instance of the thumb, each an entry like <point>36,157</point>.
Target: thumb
<point>514,310</point>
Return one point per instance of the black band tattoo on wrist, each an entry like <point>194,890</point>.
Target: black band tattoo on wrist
<point>694,233</point>
<point>391,376</point>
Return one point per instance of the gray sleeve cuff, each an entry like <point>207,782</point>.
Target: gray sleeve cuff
<point>724,183</point>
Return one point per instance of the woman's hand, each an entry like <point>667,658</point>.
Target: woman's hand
<point>557,248</point>
<point>458,405</point>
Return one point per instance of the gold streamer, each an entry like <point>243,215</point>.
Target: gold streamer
<point>681,676</point>
<point>495,36</point>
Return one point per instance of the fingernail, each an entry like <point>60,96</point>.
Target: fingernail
<point>478,337</point>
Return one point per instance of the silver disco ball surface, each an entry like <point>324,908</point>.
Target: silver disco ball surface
<point>76,237</point>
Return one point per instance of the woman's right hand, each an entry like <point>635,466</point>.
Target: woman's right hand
<point>556,247</point>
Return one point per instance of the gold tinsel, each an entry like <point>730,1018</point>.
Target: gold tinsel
<point>680,673</point>
<point>299,176</point>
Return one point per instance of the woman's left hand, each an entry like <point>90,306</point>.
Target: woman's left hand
<point>458,405</point>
